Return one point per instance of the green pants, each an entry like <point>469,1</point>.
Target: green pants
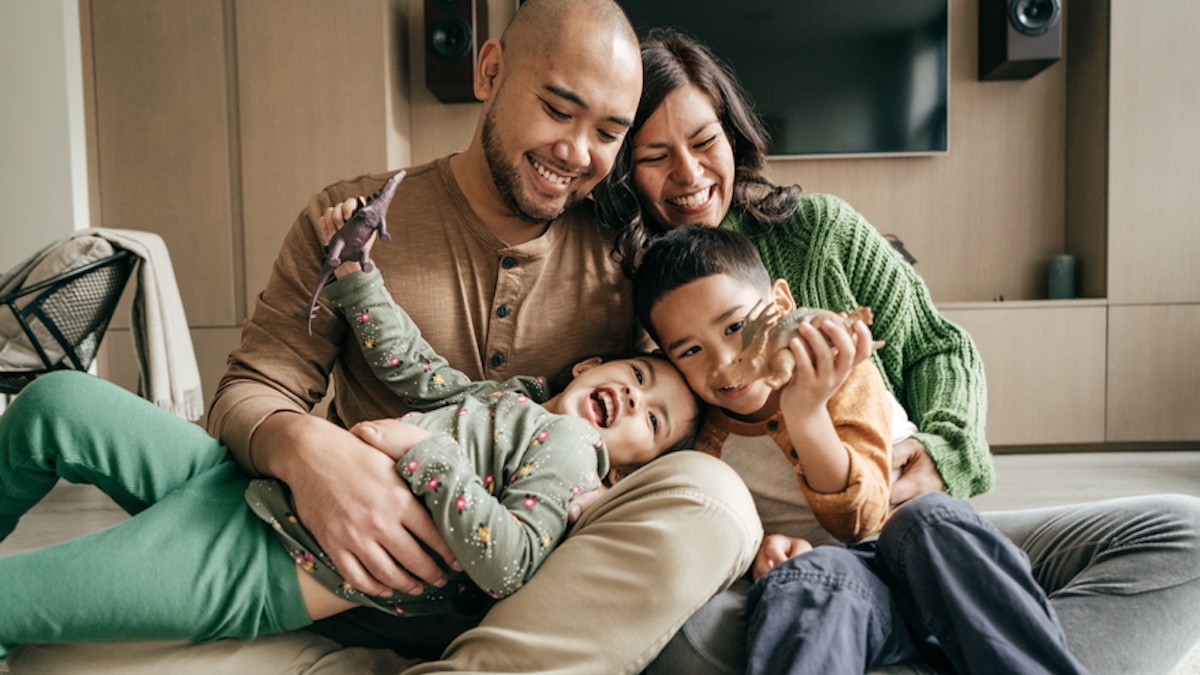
<point>192,563</point>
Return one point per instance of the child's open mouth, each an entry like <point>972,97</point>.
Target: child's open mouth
<point>603,407</point>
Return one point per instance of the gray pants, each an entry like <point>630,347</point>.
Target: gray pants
<point>1123,576</point>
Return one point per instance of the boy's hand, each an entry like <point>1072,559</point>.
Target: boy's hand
<point>392,437</point>
<point>824,358</point>
<point>777,548</point>
<point>331,221</point>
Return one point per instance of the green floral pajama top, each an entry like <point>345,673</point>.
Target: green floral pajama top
<point>497,474</point>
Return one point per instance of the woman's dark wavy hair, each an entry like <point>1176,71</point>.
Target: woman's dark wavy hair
<point>670,60</point>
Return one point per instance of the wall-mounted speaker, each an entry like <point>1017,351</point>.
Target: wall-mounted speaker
<point>1018,38</point>
<point>455,30</point>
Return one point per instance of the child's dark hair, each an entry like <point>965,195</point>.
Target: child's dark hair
<point>560,381</point>
<point>693,252</point>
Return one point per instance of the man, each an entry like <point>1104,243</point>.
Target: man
<point>506,270</point>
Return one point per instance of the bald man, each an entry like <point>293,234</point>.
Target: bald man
<point>501,261</point>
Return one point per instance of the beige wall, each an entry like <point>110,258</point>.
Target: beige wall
<point>43,157</point>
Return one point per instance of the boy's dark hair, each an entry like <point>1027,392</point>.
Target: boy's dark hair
<point>686,254</point>
<point>560,381</point>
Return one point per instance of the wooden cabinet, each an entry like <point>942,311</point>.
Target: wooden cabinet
<point>1045,366</point>
<point>1154,373</point>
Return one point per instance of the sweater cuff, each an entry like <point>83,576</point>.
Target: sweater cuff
<point>353,289</point>
<point>963,477</point>
<point>235,425</point>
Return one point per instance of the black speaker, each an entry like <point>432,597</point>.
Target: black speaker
<point>1018,38</point>
<point>454,32</point>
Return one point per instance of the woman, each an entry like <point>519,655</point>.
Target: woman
<point>697,154</point>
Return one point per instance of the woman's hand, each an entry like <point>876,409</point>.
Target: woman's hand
<point>777,548</point>
<point>918,473</point>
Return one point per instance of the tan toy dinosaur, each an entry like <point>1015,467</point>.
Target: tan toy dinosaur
<point>765,336</point>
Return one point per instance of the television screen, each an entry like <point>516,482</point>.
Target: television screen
<point>829,77</point>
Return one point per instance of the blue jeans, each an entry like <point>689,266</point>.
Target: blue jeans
<point>1123,576</point>
<point>941,583</point>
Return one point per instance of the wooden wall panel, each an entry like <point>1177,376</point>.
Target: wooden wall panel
<point>441,128</point>
<point>1087,145</point>
<point>313,109</point>
<point>162,139</point>
<point>117,361</point>
<point>1154,152</point>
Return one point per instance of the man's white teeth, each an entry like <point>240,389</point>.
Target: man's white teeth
<point>550,175</point>
<point>692,200</point>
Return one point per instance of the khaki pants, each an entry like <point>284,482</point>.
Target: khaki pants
<point>637,564</point>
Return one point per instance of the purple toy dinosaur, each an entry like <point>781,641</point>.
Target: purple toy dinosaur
<point>348,242</point>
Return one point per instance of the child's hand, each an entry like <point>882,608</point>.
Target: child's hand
<point>824,355</point>
<point>332,221</point>
<point>777,548</point>
<point>392,437</point>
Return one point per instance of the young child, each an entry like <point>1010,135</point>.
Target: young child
<point>934,579</point>
<point>497,464</point>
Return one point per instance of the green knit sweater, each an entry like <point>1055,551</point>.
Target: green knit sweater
<point>833,258</point>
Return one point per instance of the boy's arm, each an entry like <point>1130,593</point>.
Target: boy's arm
<point>502,525</point>
<point>860,415</point>
<point>840,439</point>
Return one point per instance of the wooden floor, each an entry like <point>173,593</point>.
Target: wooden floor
<point>1022,481</point>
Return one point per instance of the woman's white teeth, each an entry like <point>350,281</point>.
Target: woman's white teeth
<point>695,199</point>
<point>550,175</point>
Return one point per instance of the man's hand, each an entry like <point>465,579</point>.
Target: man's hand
<point>350,497</point>
<point>777,548</point>
<point>392,437</point>
<point>918,473</point>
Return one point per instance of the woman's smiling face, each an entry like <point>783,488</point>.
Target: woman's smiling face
<point>683,166</point>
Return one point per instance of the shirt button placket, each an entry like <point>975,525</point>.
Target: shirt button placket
<point>508,288</point>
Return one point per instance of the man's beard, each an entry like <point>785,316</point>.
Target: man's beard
<point>507,178</point>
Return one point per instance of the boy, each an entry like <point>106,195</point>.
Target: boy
<point>970,600</point>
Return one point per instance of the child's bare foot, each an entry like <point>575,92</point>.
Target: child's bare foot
<point>393,437</point>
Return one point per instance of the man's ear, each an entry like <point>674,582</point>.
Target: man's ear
<point>488,69</point>
<point>781,295</point>
<point>585,365</point>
